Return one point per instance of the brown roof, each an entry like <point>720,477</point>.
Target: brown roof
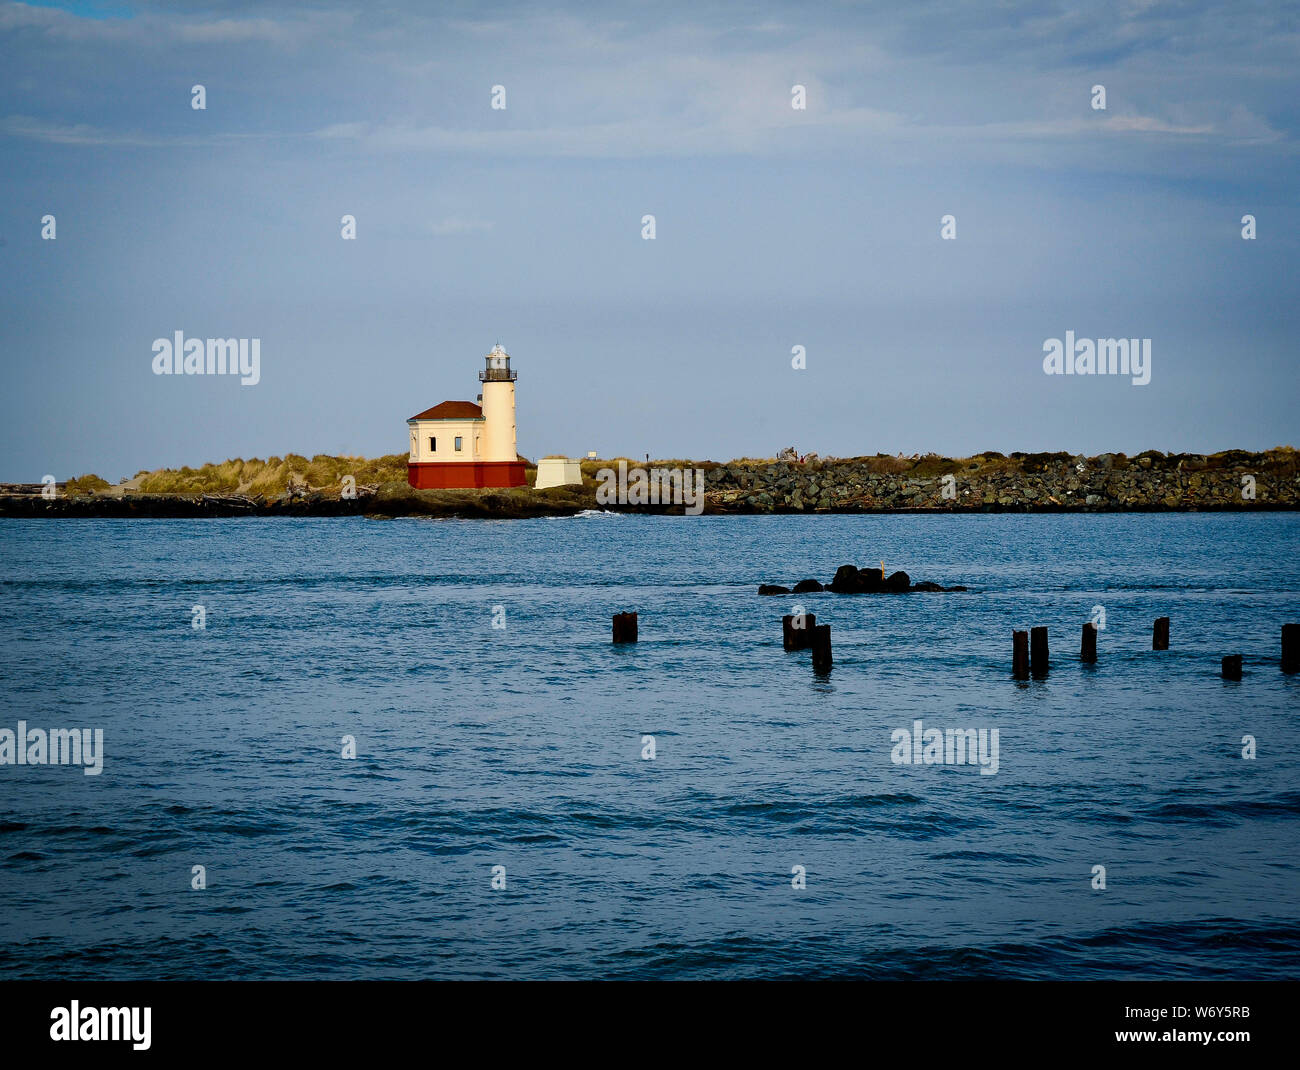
<point>451,410</point>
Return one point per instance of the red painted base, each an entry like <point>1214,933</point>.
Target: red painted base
<point>464,475</point>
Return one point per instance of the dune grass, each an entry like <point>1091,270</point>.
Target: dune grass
<point>87,484</point>
<point>274,476</point>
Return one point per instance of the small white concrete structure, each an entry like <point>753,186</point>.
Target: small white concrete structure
<point>557,472</point>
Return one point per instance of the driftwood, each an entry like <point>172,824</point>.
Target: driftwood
<point>230,501</point>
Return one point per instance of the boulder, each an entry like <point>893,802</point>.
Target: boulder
<point>870,580</point>
<point>849,579</point>
<point>846,580</point>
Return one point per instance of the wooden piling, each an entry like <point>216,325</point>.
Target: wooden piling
<point>793,638</point>
<point>1291,648</point>
<point>1160,634</point>
<point>1020,655</point>
<point>1038,651</point>
<point>625,627</point>
<point>1232,667</point>
<point>1088,650</point>
<point>820,642</point>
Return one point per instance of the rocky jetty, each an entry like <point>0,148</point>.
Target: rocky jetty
<point>849,579</point>
<point>988,482</point>
<point>383,503</point>
<point>1021,482</point>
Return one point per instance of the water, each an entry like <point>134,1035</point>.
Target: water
<point>521,747</point>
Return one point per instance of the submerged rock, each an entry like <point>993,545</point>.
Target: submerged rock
<point>849,579</point>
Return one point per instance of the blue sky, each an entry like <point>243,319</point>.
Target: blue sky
<point>775,227</point>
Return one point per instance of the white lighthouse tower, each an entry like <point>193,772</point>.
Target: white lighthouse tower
<point>500,440</point>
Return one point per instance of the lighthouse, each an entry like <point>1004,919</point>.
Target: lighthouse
<point>464,444</point>
<point>499,441</point>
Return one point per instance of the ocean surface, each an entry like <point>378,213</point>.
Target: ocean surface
<point>521,747</point>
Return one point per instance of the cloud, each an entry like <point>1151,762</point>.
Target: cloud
<point>169,27</point>
<point>1060,128</point>
<point>32,129</point>
<point>629,87</point>
<point>1238,126</point>
<point>755,132</point>
<point>240,31</point>
<point>53,133</point>
<point>53,23</point>
<point>627,138</point>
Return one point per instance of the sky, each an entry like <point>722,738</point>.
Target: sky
<point>774,227</point>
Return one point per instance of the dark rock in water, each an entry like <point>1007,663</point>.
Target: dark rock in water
<point>852,580</point>
<point>899,581</point>
<point>846,580</point>
<point>870,581</point>
<point>849,579</point>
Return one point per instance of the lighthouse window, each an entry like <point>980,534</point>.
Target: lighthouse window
<point>433,445</point>
<point>458,442</point>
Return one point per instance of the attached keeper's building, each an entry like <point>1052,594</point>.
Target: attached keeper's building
<point>462,444</point>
